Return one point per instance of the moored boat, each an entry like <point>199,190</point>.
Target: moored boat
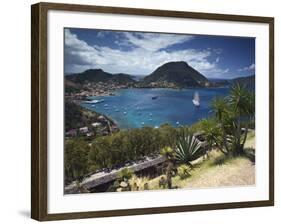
<point>196,99</point>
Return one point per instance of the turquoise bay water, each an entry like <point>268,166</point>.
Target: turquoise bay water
<point>135,108</point>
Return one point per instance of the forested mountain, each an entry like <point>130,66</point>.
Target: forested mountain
<point>179,74</point>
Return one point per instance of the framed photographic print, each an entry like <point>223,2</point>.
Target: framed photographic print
<point>138,111</point>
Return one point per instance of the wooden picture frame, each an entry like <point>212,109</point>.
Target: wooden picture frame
<point>39,109</point>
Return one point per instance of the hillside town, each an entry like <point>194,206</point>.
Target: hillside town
<point>96,89</point>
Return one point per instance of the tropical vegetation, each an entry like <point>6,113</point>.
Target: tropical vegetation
<point>225,132</point>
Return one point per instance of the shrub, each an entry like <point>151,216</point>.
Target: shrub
<point>168,152</point>
<point>125,174</point>
<point>183,171</point>
<point>162,182</point>
<point>75,159</point>
<point>129,145</point>
<point>138,183</point>
<point>84,156</point>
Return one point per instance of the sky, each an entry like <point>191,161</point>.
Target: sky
<point>140,53</point>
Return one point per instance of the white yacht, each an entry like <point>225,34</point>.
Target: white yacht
<point>196,99</point>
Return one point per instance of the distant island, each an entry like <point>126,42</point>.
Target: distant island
<point>177,75</point>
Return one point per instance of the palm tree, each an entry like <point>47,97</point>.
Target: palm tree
<point>231,112</point>
<point>211,133</point>
<point>242,102</point>
<point>222,114</point>
<point>219,107</point>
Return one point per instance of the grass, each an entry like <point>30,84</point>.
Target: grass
<point>232,172</point>
<point>217,171</point>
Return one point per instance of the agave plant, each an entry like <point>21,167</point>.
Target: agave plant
<point>188,148</point>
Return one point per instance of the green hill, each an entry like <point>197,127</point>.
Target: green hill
<point>98,75</point>
<point>178,74</point>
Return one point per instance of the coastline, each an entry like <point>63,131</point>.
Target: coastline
<point>109,89</point>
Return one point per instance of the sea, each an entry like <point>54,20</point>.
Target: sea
<point>136,108</point>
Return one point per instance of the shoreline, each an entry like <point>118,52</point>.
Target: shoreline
<point>85,96</point>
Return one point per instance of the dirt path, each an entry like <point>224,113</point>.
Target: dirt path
<point>239,171</point>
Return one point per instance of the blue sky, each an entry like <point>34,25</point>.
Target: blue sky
<point>140,53</point>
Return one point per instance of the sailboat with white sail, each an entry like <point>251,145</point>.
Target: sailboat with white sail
<point>196,99</point>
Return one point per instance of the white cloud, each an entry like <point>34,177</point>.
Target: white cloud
<point>155,41</point>
<point>144,58</point>
<point>226,70</point>
<point>247,68</point>
<point>101,34</point>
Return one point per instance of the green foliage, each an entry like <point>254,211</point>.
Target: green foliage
<point>234,114</point>
<point>168,134</point>
<point>76,159</point>
<point>73,115</point>
<point>219,107</point>
<point>129,145</point>
<point>188,148</point>
<point>98,75</point>
<point>125,174</point>
<point>241,100</point>
<point>115,150</point>
<point>77,117</point>
<point>168,152</point>
<point>183,171</point>
<point>212,131</point>
<point>100,153</point>
<point>138,183</point>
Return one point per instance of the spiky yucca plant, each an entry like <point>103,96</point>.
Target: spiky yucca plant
<point>188,148</point>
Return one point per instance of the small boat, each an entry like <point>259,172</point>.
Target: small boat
<point>94,101</point>
<point>154,97</point>
<point>196,99</point>
<point>124,112</point>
